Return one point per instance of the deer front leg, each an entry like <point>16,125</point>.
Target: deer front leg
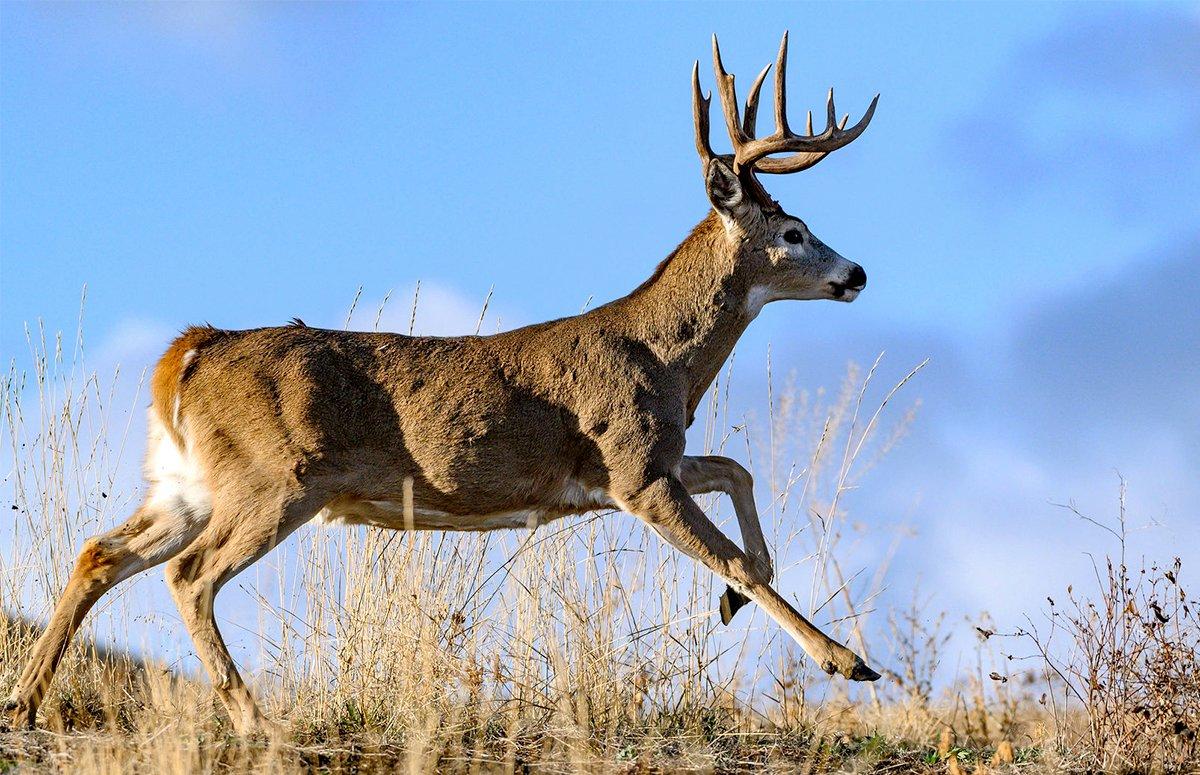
<point>665,505</point>
<point>712,473</point>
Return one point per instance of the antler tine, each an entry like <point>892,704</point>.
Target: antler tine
<point>781,122</point>
<point>810,150</point>
<point>700,109</point>
<point>729,103</point>
<point>754,155</point>
<point>751,117</point>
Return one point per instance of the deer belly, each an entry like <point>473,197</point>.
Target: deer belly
<point>573,499</point>
<point>392,514</point>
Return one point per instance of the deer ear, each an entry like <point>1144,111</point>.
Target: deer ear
<point>725,191</point>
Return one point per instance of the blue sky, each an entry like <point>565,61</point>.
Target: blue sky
<point>1026,204</point>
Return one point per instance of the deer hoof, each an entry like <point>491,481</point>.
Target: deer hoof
<point>731,603</point>
<point>16,715</point>
<point>257,726</point>
<point>850,666</point>
<point>860,672</point>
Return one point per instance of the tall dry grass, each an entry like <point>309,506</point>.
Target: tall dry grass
<point>582,645</point>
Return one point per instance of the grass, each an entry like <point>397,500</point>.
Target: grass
<point>585,645</point>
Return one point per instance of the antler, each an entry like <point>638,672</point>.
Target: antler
<point>751,154</point>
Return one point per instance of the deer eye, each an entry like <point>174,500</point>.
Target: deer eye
<point>793,236</point>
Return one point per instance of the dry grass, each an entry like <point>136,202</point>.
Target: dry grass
<point>584,645</point>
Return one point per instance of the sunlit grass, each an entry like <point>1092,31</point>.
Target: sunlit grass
<point>582,645</point>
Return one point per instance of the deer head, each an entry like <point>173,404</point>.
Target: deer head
<point>782,257</point>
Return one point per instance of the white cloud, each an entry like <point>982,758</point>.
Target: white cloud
<point>441,310</point>
<point>132,344</point>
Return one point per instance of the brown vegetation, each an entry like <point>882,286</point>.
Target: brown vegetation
<point>1128,664</point>
<point>586,645</point>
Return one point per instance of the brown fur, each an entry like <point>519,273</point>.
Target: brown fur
<point>270,426</point>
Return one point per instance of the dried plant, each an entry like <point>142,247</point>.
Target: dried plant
<point>582,645</point>
<point>919,639</point>
<point>1126,658</point>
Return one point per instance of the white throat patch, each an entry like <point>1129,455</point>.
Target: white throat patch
<point>757,297</point>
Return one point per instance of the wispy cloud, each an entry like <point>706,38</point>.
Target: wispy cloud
<point>1124,351</point>
<point>432,309</point>
<point>1101,382</point>
<point>1106,103</point>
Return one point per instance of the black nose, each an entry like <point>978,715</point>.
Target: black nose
<point>857,278</point>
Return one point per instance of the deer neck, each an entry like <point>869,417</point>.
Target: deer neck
<point>693,310</point>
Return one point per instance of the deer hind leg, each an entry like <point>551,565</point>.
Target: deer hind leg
<point>242,530</point>
<point>712,473</point>
<point>665,505</point>
<point>158,530</point>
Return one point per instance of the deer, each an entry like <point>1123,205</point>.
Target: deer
<point>253,433</point>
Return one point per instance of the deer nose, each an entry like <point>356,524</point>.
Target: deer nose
<point>857,279</point>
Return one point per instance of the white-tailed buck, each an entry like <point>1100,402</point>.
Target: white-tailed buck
<point>254,433</point>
